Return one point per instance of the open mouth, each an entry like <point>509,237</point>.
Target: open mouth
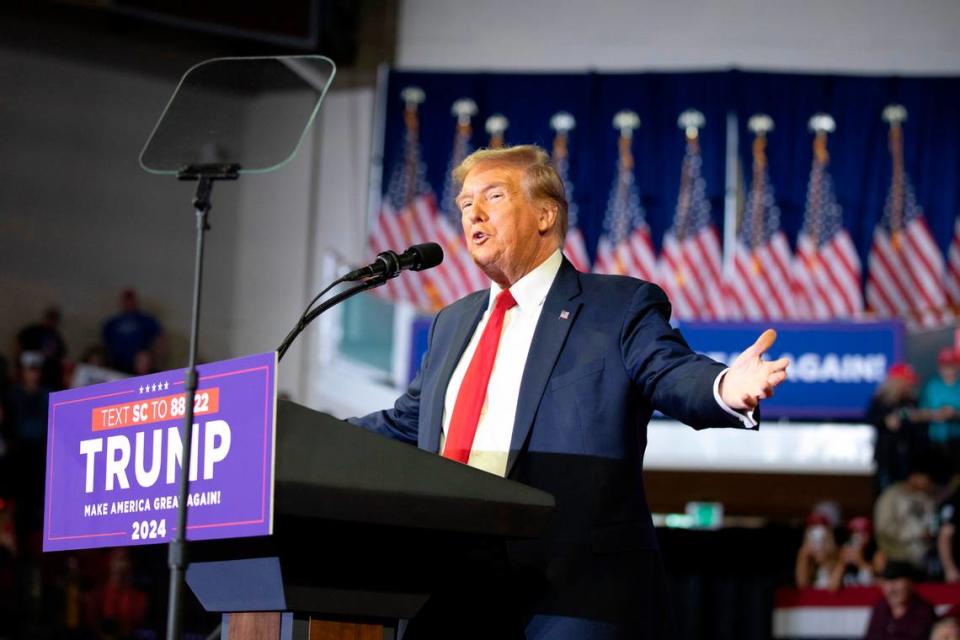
<point>479,237</point>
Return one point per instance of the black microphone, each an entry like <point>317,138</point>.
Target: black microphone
<point>389,264</point>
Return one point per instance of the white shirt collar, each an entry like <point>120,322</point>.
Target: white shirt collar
<point>531,290</point>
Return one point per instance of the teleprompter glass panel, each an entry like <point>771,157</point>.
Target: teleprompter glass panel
<point>224,109</point>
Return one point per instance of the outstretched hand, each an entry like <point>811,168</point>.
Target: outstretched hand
<point>750,378</point>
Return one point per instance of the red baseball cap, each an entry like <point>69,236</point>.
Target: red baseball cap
<point>860,524</point>
<point>948,355</point>
<point>816,518</point>
<point>903,371</point>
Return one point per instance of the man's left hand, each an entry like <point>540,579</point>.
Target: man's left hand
<point>750,378</point>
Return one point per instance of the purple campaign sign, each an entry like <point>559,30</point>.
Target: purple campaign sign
<point>114,457</point>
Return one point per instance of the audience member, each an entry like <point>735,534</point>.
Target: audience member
<point>92,368</point>
<point>859,559</point>
<point>71,599</point>
<point>900,425</point>
<point>117,607</point>
<point>26,437</point>
<point>143,363</point>
<point>904,516</point>
<point>4,376</point>
<point>8,536</point>
<point>901,614</point>
<point>946,629</point>
<point>26,401</point>
<point>817,555</point>
<point>8,571</point>
<point>948,542</point>
<point>44,337</point>
<point>129,332</point>
<point>831,510</point>
<point>94,355</point>
<point>941,396</point>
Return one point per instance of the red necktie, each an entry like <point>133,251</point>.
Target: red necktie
<point>473,389</point>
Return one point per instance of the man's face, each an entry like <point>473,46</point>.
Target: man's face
<point>31,377</point>
<point>949,372</point>
<point>507,233</point>
<point>920,481</point>
<point>946,631</point>
<point>128,301</point>
<point>896,591</point>
<point>51,317</point>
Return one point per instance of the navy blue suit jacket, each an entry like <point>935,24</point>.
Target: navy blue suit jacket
<point>603,357</point>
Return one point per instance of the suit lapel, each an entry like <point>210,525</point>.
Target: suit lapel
<point>555,321</point>
<point>466,325</point>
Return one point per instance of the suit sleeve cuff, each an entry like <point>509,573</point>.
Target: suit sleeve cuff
<point>745,417</point>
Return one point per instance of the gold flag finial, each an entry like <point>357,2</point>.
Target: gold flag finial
<point>563,123</point>
<point>625,122</point>
<point>691,121</point>
<point>496,125</point>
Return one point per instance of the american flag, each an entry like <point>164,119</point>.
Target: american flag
<point>690,267</point>
<point>906,266</point>
<point>952,278</point>
<point>952,275</point>
<point>465,274</point>
<point>408,215</point>
<point>625,247</point>
<point>574,246</point>
<point>761,284</point>
<point>827,267</point>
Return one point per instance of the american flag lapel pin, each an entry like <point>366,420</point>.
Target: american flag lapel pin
<point>564,314</point>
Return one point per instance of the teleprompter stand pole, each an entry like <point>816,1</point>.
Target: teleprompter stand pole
<point>205,175</point>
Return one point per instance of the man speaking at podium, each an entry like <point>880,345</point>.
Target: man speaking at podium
<point>549,378</point>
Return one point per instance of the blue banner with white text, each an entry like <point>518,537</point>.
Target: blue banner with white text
<point>835,367</point>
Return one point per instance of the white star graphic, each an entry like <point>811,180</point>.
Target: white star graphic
<point>166,385</point>
<point>153,387</point>
<point>141,388</point>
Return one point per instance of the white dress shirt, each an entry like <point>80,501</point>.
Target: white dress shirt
<point>491,444</point>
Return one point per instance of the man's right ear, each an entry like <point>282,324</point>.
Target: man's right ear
<point>549,214</point>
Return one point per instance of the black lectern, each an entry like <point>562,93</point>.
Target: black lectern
<point>363,528</point>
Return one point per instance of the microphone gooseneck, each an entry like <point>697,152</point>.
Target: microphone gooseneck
<point>387,265</point>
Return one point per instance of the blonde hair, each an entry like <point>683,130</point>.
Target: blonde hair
<point>541,180</point>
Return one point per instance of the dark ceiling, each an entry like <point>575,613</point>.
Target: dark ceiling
<point>166,38</point>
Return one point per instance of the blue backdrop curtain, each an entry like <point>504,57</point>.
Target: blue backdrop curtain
<point>860,161</point>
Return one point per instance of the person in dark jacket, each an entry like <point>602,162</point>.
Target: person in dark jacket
<point>902,614</point>
<point>900,426</point>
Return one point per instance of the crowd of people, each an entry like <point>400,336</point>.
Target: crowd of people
<point>99,594</point>
<point>913,533</point>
